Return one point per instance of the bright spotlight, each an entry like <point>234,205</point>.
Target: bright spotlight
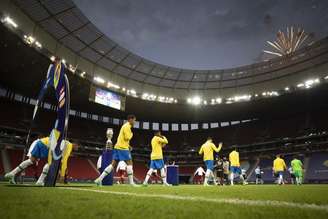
<point>196,100</point>
<point>99,80</point>
<point>10,21</point>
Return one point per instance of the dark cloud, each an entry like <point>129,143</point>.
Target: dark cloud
<point>202,34</point>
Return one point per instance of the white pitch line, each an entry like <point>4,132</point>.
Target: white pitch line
<point>265,203</point>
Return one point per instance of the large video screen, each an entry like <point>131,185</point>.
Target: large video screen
<point>107,98</point>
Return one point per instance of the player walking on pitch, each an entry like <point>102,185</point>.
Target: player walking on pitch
<point>157,163</point>
<point>121,152</point>
<point>279,166</point>
<point>297,167</point>
<point>235,166</point>
<point>207,150</point>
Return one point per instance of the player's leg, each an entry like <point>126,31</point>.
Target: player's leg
<point>300,177</point>
<point>43,175</point>
<point>22,166</point>
<point>208,172</point>
<point>129,170</point>
<point>163,176</point>
<point>148,175</point>
<point>280,179</point>
<point>243,179</point>
<point>106,171</point>
<point>163,172</point>
<point>207,176</point>
<point>232,175</point>
<point>213,177</point>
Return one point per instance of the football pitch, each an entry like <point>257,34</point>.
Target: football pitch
<point>155,201</point>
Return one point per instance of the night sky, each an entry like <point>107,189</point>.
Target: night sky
<point>203,34</point>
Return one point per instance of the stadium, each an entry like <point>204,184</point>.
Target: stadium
<point>89,128</point>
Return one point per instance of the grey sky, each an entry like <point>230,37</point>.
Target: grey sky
<point>202,34</point>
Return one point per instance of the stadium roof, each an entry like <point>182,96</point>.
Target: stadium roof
<point>98,55</point>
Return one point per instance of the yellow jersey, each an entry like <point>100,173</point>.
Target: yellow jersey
<point>45,141</point>
<point>66,154</point>
<point>157,144</point>
<point>124,137</point>
<point>234,159</point>
<point>279,165</point>
<point>207,150</point>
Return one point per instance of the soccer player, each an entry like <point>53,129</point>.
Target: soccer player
<point>219,171</point>
<point>157,163</point>
<point>297,167</point>
<point>207,149</point>
<point>235,166</point>
<point>39,149</point>
<point>198,175</point>
<point>121,152</point>
<point>258,175</point>
<point>279,166</point>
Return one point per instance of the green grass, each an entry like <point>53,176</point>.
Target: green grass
<point>160,202</point>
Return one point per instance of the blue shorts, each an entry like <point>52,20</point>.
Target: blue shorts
<point>236,170</point>
<point>209,164</point>
<point>157,164</point>
<point>121,155</point>
<point>40,150</point>
<point>279,173</point>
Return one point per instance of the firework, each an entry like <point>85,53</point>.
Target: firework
<point>287,43</point>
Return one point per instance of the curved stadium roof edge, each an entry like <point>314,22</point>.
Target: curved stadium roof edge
<point>68,26</point>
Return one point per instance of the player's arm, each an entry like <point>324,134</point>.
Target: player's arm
<point>217,149</point>
<point>162,140</point>
<point>284,164</point>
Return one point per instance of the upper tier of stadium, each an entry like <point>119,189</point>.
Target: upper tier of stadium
<point>64,31</point>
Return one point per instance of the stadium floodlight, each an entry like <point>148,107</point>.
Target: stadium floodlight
<point>326,78</point>
<point>132,92</point>
<point>241,98</point>
<point>196,100</point>
<point>99,80</point>
<point>52,58</point>
<point>29,39</point>
<point>212,101</point>
<point>112,85</point>
<point>300,85</point>
<point>205,102</point>
<point>286,88</point>
<point>63,61</point>
<point>8,20</point>
<point>83,74</point>
<point>311,82</point>
<point>38,44</point>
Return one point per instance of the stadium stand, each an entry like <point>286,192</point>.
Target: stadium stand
<point>317,170</point>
